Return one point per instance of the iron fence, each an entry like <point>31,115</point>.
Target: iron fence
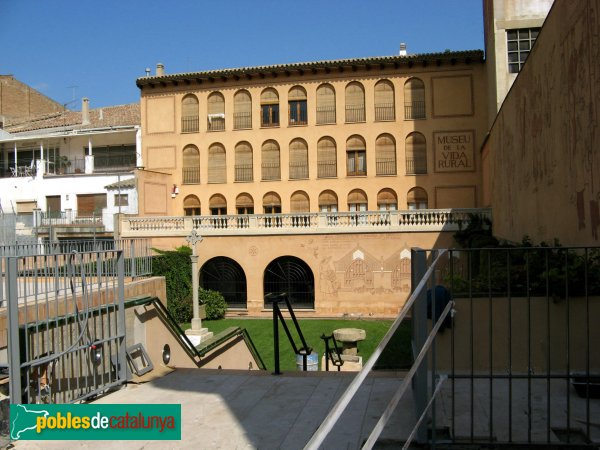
<point>66,341</point>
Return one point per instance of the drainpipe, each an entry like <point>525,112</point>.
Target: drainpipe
<point>139,162</point>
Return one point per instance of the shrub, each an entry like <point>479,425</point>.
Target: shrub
<point>176,267</point>
<point>214,302</point>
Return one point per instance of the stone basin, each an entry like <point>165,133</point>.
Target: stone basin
<point>349,338</point>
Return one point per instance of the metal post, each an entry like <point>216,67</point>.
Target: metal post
<point>276,337</point>
<point>122,366</point>
<point>419,329</point>
<point>14,351</point>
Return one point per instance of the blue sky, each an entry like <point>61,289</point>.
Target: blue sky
<point>102,46</point>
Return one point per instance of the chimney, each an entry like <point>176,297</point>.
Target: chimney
<point>147,71</point>
<point>160,70</point>
<point>85,111</point>
<point>402,49</point>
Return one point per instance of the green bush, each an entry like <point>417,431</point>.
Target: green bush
<point>214,302</point>
<point>176,267</point>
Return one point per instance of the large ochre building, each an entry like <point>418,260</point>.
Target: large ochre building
<point>315,178</point>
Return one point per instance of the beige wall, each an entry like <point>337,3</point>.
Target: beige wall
<point>381,293</point>
<point>542,152</point>
<point>455,103</point>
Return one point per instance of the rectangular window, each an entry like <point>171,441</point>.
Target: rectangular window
<point>298,112</point>
<point>118,157</point>
<point>121,200</point>
<point>357,162</point>
<point>90,204</point>
<point>269,115</point>
<point>519,43</point>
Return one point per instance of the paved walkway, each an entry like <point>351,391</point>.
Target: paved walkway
<point>257,410</point>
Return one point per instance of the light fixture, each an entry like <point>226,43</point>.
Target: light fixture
<point>174,191</point>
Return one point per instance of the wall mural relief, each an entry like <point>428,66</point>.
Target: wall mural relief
<point>361,272</point>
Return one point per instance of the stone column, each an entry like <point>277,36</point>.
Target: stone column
<point>196,328</point>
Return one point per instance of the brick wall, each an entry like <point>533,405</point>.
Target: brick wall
<point>19,101</point>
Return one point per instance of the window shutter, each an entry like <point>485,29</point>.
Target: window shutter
<point>191,201</point>
<point>271,199</point>
<point>387,197</point>
<point>244,201</point>
<point>384,93</point>
<point>217,168</point>
<point>355,96</point>
<point>189,106</point>
<point>216,104</point>
<point>416,195</point>
<point>326,96</point>
<point>297,93</point>
<point>327,198</point>
<point>357,196</point>
<point>269,96</point>
<point>355,143</point>
<point>242,102</point>
<point>298,159</point>
<point>414,91</point>
<point>218,201</point>
<point>300,202</point>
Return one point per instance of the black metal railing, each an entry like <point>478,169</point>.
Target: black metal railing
<point>332,353</point>
<point>416,165</point>
<point>325,115</point>
<point>190,175</point>
<point>121,162</point>
<point>326,169</point>
<point>385,111</point>
<point>243,172</point>
<point>386,166</point>
<point>190,124</point>
<point>298,170</point>
<point>305,350</point>
<point>355,114</point>
<point>215,123</point>
<point>242,120</point>
<point>271,171</point>
<point>414,110</point>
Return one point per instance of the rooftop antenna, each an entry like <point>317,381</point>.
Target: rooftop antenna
<point>73,99</point>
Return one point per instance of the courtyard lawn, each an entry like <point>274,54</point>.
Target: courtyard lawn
<point>396,356</point>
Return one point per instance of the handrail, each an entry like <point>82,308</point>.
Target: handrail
<point>305,350</point>
<point>329,354</point>
<point>336,412</point>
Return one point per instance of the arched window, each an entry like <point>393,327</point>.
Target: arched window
<point>298,112</point>
<point>191,206</point>
<point>387,200</point>
<point>401,274</point>
<point>355,102</point>
<point>358,275</point>
<point>271,203</point>
<point>226,276</point>
<point>292,276</point>
<point>384,101</point>
<point>189,114</point>
<point>218,205</point>
<point>298,159</point>
<point>299,202</point>
<point>216,112</point>
<point>269,108</point>
<point>356,156</point>
<point>414,99</point>
<point>385,155</point>
<point>328,201</point>
<point>325,104</point>
<point>416,154</point>
<point>191,165</point>
<point>244,204</point>
<point>357,200</point>
<point>270,165</point>
<point>417,198</point>
<point>217,167</point>
<point>243,162</point>
<point>326,158</point>
<point>242,110</point>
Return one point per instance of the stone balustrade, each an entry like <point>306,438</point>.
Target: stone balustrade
<point>303,223</point>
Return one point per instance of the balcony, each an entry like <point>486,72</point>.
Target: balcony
<point>190,124</point>
<point>327,169</point>
<point>423,220</point>
<point>242,120</point>
<point>113,163</point>
<point>355,114</point>
<point>190,175</point>
<point>243,172</point>
<point>414,110</point>
<point>325,115</point>
<point>215,122</point>
<point>386,166</point>
<point>384,111</point>
<point>416,165</point>
<point>271,171</point>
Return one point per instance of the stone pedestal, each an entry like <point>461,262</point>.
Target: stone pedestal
<point>349,338</point>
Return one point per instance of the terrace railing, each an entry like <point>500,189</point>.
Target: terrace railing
<point>325,222</point>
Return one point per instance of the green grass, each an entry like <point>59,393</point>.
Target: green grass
<point>395,356</point>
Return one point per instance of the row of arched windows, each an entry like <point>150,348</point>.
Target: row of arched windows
<point>325,108</point>
<point>356,200</point>
<point>270,159</point>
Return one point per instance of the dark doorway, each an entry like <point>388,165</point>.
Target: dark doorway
<point>227,277</point>
<point>293,276</point>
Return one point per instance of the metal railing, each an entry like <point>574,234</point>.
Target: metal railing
<point>355,114</point>
<point>503,343</point>
<point>271,171</point>
<point>416,165</point>
<point>190,175</point>
<point>326,169</point>
<point>385,166</point>
<point>325,115</point>
<point>190,124</point>
<point>111,163</point>
<point>414,110</point>
<point>298,170</point>
<point>242,120</point>
<point>244,172</point>
<point>385,111</point>
<point>215,124</point>
<point>305,350</point>
<point>66,342</point>
<point>69,217</point>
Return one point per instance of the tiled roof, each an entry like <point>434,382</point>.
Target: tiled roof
<point>396,60</point>
<point>123,184</point>
<point>110,116</point>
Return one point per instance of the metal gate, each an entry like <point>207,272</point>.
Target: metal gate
<point>66,325</point>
